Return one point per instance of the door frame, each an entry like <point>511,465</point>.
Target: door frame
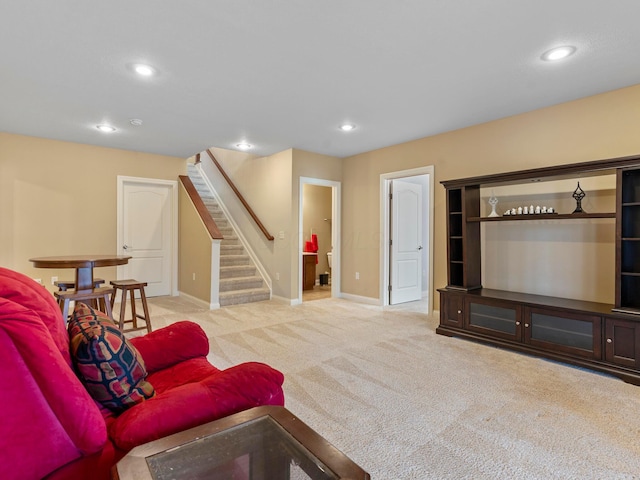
<point>385,227</point>
<point>335,232</point>
<point>172,185</point>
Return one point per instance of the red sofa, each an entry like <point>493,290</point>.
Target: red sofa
<point>51,427</point>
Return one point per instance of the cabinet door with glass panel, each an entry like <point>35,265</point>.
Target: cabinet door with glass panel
<point>494,317</point>
<point>567,332</point>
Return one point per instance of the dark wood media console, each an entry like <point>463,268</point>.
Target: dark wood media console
<point>600,336</point>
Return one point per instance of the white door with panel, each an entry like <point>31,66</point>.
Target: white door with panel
<point>145,232</point>
<point>406,242</point>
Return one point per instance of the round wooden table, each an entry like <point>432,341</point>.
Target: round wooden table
<point>84,265</point>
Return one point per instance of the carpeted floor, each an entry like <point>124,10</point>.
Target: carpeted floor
<point>405,403</point>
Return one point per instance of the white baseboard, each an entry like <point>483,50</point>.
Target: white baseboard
<point>286,301</point>
<point>199,302</point>
<point>360,299</point>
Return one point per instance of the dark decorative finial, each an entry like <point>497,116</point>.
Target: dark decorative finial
<point>579,194</point>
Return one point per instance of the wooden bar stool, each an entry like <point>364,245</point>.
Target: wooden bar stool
<point>131,286</point>
<point>98,296</point>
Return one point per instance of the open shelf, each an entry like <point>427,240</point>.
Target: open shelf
<point>543,216</point>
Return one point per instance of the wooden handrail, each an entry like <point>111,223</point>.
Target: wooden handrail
<point>201,208</point>
<point>240,197</point>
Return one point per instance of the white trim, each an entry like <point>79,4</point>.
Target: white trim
<point>361,299</point>
<point>238,231</point>
<point>336,222</point>
<point>286,301</point>
<point>214,296</point>
<point>173,185</point>
<point>385,181</point>
<point>201,303</point>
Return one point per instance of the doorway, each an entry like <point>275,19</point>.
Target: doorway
<point>319,222</point>
<point>407,250</point>
<point>147,231</point>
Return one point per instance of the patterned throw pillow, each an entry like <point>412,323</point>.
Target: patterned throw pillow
<point>108,365</point>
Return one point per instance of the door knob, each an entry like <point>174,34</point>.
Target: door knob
<point>420,247</point>
<point>124,247</point>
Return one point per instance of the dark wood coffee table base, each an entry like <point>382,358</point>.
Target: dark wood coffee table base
<point>263,443</point>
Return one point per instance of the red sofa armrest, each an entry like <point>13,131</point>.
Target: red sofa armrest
<point>171,345</point>
<point>224,393</point>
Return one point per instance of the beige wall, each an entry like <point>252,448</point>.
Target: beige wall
<point>194,255</point>
<point>59,198</point>
<point>602,126</point>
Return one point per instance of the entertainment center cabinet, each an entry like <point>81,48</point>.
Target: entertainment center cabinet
<point>600,336</point>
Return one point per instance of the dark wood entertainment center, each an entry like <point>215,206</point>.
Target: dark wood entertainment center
<point>600,336</point>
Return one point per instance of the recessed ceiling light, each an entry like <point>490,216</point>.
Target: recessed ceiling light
<point>558,53</point>
<point>347,127</point>
<point>144,70</point>
<point>243,145</point>
<point>136,122</point>
<point>105,128</point>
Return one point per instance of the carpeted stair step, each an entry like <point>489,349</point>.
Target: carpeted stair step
<point>230,240</point>
<point>244,296</point>
<point>240,283</point>
<point>237,271</point>
<point>221,222</point>
<point>232,260</point>
<point>211,205</point>
<point>231,249</point>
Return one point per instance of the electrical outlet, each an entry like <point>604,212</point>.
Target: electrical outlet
<point>194,276</point>
<point>278,276</point>
<point>38,280</point>
<point>54,280</point>
<point>357,275</point>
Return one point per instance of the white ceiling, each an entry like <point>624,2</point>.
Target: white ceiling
<point>286,73</point>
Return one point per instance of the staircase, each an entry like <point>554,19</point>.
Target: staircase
<point>239,280</point>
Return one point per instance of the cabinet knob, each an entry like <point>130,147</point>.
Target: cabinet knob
<point>459,312</point>
<point>609,340</point>
<point>526,325</point>
<point>517,323</point>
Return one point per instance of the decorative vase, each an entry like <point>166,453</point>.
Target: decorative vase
<point>493,201</point>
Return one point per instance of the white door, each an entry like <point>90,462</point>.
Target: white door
<point>406,242</point>
<point>145,232</point>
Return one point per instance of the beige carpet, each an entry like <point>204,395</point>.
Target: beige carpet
<point>405,403</point>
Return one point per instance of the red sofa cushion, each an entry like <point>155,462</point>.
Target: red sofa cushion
<point>48,418</point>
<point>24,291</point>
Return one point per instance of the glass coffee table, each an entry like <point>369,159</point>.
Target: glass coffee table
<point>263,443</point>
